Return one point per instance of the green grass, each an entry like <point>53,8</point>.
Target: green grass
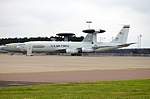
<point>130,89</point>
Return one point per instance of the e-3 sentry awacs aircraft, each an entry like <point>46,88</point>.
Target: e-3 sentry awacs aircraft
<point>88,45</point>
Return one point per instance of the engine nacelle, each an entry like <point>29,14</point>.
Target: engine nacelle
<point>93,31</point>
<point>71,51</point>
<point>85,50</point>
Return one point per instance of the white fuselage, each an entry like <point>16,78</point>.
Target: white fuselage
<point>51,46</point>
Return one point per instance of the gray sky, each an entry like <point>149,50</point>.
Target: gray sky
<point>34,18</point>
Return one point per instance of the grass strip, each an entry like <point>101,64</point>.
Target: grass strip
<point>128,89</point>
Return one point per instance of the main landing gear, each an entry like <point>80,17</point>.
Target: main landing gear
<point>78,54</point>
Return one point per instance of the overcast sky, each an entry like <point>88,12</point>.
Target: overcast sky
<point>45,18</point>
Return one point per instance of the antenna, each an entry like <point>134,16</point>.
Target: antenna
<point>89,23</point>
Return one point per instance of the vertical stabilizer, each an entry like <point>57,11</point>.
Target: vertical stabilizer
<point>122,35</point>
<point>88,38</point>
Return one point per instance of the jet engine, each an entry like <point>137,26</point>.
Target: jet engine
<point>93,31</point>
<point>85,50</point>
<point>71,51</point>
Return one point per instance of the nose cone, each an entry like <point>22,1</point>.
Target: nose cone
<point>4,48</point>
<point>1,47</point>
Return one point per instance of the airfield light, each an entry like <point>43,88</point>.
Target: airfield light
<point>139,41</point>
<point>101,39</point>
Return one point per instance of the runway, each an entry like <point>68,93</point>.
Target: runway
<point>22,70</point>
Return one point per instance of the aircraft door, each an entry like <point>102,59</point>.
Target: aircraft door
<point>29,49</point>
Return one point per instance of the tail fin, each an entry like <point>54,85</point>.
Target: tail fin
<point>88,38</point>
<point>122,35</point>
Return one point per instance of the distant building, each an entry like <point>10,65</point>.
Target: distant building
<point>126,52</point>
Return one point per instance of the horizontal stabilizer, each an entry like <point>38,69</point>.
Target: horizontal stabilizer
<point>96,47</point>
<point>126,45</point>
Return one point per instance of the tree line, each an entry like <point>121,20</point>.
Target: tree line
<point>4,41</point>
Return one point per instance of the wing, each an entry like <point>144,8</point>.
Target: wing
<point>88,49</point>
<point>122,45</point>
<point>125,45</point>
